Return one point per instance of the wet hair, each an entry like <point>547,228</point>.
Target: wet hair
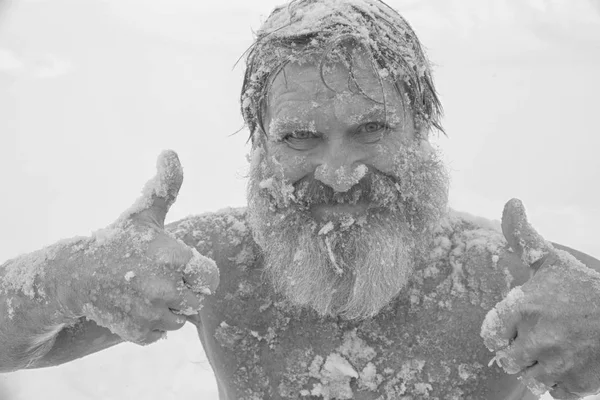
<point>332,30</point>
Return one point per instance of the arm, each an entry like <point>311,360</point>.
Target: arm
<point>131,279</point>
<point>37,328</point>
<point>31,312</point>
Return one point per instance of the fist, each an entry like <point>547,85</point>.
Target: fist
<point>134,278</point>
<point>547,330</point>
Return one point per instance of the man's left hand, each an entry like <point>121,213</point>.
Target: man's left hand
<point>547,330</point>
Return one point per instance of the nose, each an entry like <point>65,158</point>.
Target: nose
<point>341,167</point>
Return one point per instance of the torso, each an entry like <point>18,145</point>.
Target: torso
<point>424,345</point>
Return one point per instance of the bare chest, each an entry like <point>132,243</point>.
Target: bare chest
<point>425,345</point>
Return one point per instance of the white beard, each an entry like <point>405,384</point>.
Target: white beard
<point>349,271</point>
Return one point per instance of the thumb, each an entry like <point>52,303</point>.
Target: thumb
<point>529,245</point>
<point>160,192</point>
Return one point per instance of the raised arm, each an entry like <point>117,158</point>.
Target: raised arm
<point>130,281</point>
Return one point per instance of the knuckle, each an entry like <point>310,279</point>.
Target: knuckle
<point>173,256</point>
<point>159,288</point>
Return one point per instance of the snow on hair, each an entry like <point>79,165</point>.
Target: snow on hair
<point>304,29</point>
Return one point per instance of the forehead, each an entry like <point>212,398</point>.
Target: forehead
<point>333,87</point>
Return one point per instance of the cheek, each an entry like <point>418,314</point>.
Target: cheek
<point>385,157</point>
<point>393,156</point>
<point>284,164</point>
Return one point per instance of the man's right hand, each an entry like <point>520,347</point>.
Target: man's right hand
<point>134,278</point>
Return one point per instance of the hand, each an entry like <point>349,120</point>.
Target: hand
<point>547,330</point>
<point>134,278</point>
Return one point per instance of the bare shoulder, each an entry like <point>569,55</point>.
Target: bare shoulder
<point>483,266</point>
<point>223,236</point>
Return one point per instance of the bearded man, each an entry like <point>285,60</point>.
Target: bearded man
<point>347,277</point>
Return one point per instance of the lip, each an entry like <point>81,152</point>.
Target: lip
<point>326,212</point>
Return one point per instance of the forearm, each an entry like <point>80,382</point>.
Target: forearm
<point>31,311</point>
<point>76,341</point>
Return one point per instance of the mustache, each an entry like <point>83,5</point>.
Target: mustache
<point>376,188</point>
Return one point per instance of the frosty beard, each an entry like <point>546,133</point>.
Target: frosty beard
<point>345,267</point>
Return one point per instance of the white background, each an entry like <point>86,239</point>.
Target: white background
<point>92,90</point>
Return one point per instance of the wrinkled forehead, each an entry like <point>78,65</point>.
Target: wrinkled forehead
<point>346,88</point>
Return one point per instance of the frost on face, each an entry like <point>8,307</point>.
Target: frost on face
<point>341,179</point>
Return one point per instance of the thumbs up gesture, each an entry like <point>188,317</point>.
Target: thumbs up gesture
<point>547,330</point>
<point>134,278</point>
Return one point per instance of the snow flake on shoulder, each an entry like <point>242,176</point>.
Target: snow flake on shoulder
<point>468,249</point>
<point>223,233</point>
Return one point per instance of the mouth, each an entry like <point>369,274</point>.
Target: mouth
<point>327,212</point>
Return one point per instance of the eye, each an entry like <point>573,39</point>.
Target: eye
<point>371,127</point>
<point>371,132</point>
<point>301,135</point>
<point>302,140</point>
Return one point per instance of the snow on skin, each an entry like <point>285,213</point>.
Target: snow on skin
<point>200,265</point>
<point>320,366</point>
<point>164,184</point>
<point>129,276</point>
<point>22,272</point>
<point>89,264</point>
<point>345,178</point>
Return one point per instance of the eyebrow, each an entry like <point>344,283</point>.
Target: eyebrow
<point>284,124</point>
<point>376,112</point>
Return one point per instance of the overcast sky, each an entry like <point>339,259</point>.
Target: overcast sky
<point>91,91</point>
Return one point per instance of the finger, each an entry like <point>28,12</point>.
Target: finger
<point>158,290</point>
<point>538,373</point>
<point>189,303</point>
<point>562,393</point>
<point>160,192</point>
<point>170,321</point>
<point>517,357</point>
<point>201,274</point>
<point>537,379</point>
<point>576,382</point>
<point>521,236</point>
<point>501,322</point>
